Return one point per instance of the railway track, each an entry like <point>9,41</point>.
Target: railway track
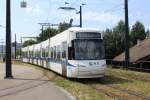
<point>118,92</point>
<point>130,92</point>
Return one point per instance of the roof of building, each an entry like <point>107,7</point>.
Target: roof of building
<point>138,53</point>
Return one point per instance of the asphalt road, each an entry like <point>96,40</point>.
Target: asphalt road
<point>29,84</point>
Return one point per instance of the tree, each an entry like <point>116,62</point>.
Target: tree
<point>29,42</point>
<point>114,40</point>
<point>119,35</point>
<point>47,33</point>
<point>63,26</point>
<point>137,32</point>
<point>109,43</point>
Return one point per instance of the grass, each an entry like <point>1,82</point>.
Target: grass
<point>80,91</point>
<point>129,74</point>
<point>137,81</point>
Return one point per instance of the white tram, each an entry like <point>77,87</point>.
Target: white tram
<point>74,53</point>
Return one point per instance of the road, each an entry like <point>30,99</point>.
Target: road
<point>29,84</point>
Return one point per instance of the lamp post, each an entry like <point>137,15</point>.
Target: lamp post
<point>79,12</point>
<point>80,16</point>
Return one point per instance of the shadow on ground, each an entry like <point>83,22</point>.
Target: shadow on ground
<point>105,80</point>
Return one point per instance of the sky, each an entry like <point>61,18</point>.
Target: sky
<point>99,14</point>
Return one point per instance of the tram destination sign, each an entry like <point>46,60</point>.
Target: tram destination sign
<point>88,35</point>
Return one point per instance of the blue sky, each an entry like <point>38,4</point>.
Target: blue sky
<point>100,14</point>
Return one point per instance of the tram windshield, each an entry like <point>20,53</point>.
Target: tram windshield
<point>88,49</point>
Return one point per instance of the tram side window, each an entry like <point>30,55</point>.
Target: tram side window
<point>25,54</point>
<point>46,52</point>
<point>64,49</point>
<point>29,54</point>
<point>36,53</point>
<point>32,53</point>
<point>71,55</point>
<point>58,52</point>
<point>43,52</point>
<point>39,54</point>
<point>52,56</point>
<point>55,53</point>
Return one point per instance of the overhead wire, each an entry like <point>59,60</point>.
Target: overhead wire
<point>115,8</point>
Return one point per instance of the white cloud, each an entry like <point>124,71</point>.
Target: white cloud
<point>104,17</point>
<point>34,11</point>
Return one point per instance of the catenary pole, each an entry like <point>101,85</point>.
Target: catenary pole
<point>126,35</point>
<point>8,40</point>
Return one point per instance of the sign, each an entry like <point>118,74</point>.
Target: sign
<point>88,35</point>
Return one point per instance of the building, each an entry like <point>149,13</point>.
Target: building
<point>139,54</point>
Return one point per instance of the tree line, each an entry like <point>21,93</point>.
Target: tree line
<point>114,39</point>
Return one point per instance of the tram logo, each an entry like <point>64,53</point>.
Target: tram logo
<point>93,63</point>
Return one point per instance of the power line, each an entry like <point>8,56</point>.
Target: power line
<point>115,8</point>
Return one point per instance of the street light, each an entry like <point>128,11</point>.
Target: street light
<point>79,12</point>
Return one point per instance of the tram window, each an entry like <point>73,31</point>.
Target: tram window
<point>58,52</point>
<point>29,54</point>
<point>46,52</point>
<point>55,52</point>
<point>39,54</point>
<point>32,53</point>
<point>43,52</point>
<point>64,49</point>
<point>36,53</point>
<point>52,53</point>
<point>71,54</point>
<point>25,54</point>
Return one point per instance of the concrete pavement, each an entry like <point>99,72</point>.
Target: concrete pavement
<point>29,84</point>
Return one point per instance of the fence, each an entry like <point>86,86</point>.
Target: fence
<point>140,66</point>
